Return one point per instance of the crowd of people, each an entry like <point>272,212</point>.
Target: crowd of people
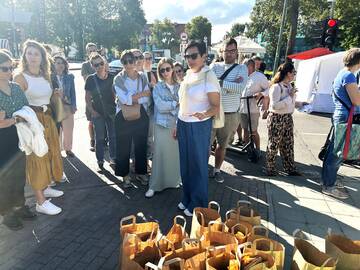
<point>147,119</point>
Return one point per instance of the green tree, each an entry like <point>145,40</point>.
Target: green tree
<point>198,28</point>
<point>237,29</point>
<point>163,35</point>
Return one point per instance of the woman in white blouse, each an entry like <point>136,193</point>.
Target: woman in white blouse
<point>280,122</point>
<point>199,99</point>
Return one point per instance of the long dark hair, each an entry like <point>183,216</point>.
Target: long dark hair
<point>65,62</point>
<point>282,71</point>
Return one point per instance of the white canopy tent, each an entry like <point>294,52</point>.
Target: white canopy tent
<point>314,81</point>
<point>245,46</point>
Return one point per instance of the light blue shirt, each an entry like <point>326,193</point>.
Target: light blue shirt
<point>166,104</point>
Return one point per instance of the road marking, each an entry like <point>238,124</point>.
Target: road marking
<point>315,134</point>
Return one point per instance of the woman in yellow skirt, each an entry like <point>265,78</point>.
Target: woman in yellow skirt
<point>34,79</point>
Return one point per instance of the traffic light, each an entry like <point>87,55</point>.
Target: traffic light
<point>330,33</point>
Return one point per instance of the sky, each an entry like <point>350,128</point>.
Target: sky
<point>221,13</point>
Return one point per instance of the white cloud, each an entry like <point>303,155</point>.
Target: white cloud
<point>221,13</point>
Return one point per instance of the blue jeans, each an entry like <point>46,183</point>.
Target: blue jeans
<point>331,162</point>
<point>194,145</point>
<point>101,126</point>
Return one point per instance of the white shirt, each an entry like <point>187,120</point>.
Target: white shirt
<point>38,90</point>
<point>197,100</point>
<point>256,83</point>
<point>280,100</point>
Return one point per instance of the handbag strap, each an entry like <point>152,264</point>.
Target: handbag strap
<point>341,101</point>
<point>97,87</point>
<point>227,72</point>
<point>348,134</point>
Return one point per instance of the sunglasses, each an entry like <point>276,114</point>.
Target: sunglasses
<point>148,58</point>
<point>140,57</point>
<point>99,64</point>
<point>179,71</point>
<point>128,61</point>
<point>6,69</point>
<point>193,56</point>
<point>162,70</point>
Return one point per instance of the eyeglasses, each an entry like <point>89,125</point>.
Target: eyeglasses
<point>193,56</point>
<point>230,51</point>
<point>6,69</point>
<point>59,63</point>
<point>148,58</point>
<point>128,61</point>
<point>162,70</point>
<point>99,64</point>
<point>179,71</point>
<point>140,57</point>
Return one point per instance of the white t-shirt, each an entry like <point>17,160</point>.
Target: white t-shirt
<point>256,83</point>
<point>196,101</point>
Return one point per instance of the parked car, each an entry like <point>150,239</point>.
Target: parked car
<point>115,67</point>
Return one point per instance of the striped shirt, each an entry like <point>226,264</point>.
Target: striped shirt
<point>231,90</point>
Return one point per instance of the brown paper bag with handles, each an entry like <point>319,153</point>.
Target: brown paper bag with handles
<point>213,238</point>
<point>244,212</point>
<point>145,231</point>
<point>347,251</point>
<point>271,247</point>
<point>202,217</point>
<point>225,259</point>
<point>230,222</point>
<point>258,231</point>
<point>135,253</point>
<point>308,257</point>
<point>175,236</point>
<point>241,232</point>
<point>254,261</point>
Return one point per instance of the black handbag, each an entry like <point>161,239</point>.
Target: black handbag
<point>324,148</point>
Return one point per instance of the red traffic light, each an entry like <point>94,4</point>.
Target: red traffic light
<point>332,23</point>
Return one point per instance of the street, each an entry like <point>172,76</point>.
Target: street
<point>86,234</point>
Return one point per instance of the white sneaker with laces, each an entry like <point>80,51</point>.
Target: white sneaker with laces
<point>52,193</point>
<point>48,208</point>
<point>149,193</point>
<point>181,206</point>
<point>335,192</point>
<point>188,213</point>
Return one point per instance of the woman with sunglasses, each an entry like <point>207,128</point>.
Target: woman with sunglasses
<point>280,122</point>
<point>166,149</point>
<point>34,79</point>
<point>131,89</point>
<point>66,82</point>
<point>199,98</point>
<point>12,160</point>
<point>100,102</point>
<point>179,71</point>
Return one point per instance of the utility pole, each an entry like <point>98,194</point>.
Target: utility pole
<point>13,28</point>
<point>332,9</point>
<point>277,55</point>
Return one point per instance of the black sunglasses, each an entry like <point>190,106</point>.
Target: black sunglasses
<point>140,57</point>
<point>179,71</point>
<point>6,69</point>
<point>193,56</point>
<point>99,64</point>
<point>162,70</point>
<point>128,61</point>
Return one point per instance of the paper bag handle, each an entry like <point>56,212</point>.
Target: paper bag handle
<point>213,203</point>
<point>240,226</point>
<point>123,220</point>
<point>174,261</point>
<point>228,214</point>
<point>166,240</point>
<point>190,241</point>
<point>214,222</point>
<point>184,223</point>
<point>202,222</point>
<point>260,227</point>
<point>271,244</point>
<point>240,202</point>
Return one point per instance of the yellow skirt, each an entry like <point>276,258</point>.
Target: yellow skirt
<point>41,170</point>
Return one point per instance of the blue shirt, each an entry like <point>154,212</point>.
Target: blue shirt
<point>343,78</point>
<point>166,104</point>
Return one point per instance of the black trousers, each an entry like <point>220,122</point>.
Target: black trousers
<point>128,132</point>
<point>12,171</point>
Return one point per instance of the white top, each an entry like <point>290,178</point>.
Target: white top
<point>280,100</point>
<point>39,91</point>
<point>256,83</point>
<point>196,101</point>
<point>231,90</point>
<point>171,87</point>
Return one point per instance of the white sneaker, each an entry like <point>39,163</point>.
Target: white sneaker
<point>149,193</point>
<point>181,206</point>
<point>48,208</point>
<point>188,213</point>
<point>52,193</point>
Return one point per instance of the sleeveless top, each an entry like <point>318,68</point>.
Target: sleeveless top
<point>39,90</point>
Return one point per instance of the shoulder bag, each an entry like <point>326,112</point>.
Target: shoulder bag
<point>131,112</point>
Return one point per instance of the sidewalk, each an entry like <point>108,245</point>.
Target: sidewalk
<point>86,234</point>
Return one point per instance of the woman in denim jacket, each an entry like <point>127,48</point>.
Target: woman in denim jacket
<point>66,83</point>
<point>166,150</point>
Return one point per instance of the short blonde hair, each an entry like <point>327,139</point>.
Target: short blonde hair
<point>352,57</point>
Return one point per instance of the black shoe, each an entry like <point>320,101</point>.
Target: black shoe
<point>294,173</point>
<point>101,166</point>
<point>92,145</point>
<point>25,213</point>
<point>12,222</point>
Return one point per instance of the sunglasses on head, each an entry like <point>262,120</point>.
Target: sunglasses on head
<point>128,61</point>
<point>6,69</point>
<point>99,64</point>
<point>162,70</point>
<point>193,56</point>
<point>140,57</point>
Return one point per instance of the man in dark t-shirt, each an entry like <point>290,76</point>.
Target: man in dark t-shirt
<point>100,102</point>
